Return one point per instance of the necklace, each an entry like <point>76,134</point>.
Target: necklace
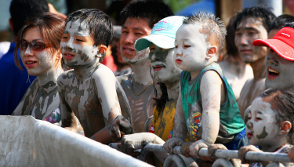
<point>132,85</point>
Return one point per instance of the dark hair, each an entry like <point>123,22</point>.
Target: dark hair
<point>289,25</point>
<point>280,21</point>
<point>232,50</point>
<point>51,27</point>
<point>150,10</point>
<point>282,103</point>
<point>257,12</point>
<point>99,24</point>
<point>212,26</point>
<point>161,101</point>
<point>22,10</point>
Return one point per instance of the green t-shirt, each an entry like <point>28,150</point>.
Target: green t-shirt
<point>231,122</point>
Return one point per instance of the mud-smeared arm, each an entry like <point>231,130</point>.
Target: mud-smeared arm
<point>68,120</point>
<point>179,128</point>
<point>210,89</point>
<point>106,87</point>
<point>124,102</point>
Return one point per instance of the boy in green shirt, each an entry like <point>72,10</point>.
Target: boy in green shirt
<point>206,107</point>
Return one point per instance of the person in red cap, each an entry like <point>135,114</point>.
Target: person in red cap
<point>280,59</point>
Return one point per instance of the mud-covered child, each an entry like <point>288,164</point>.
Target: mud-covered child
<point>88,90</point>
<point>206,107</point>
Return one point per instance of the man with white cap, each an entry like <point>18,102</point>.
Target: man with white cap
<point>163,70</point>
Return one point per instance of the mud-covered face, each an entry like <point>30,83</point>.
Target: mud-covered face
<point>133,29</point>
<point>279,71</point>
<point>77,45</point>
<point>191,48</point>
<point>163,68</point>
<point>262,127</point>
<point>36,62</point>
<point>247,31</point>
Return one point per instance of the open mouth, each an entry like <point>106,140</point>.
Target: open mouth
<point>272,74</point>
<point>157,68</point>
<point>179,61</point>
<point>68,56</point>
<point>128,50</point>
<point>249,135</point>
<point>30,63</point>
<point>245,51</point>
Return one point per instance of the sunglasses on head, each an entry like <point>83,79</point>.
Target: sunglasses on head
<point>34,45</point>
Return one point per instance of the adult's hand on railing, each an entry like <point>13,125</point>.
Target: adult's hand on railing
<point>194,149</point>
<point>243,150</point>
<point>135,141</point>
<point>171,143</point>
<point>120,126</point>
<point>212,148</point>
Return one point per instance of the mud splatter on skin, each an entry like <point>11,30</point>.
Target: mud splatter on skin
<point>40,104</point>
<point>285,68</point>
<point>140,55</point>
<point>248,30</point>
<point>141,106</point>
<point>87,98</point>
<point>45,62</point>
<point>163,68</point>
<point>193,58</point>
<point>262,127</point>
<point>180,127</point>
<point>203,123</point>
<point>263,134</point>
<point>237,73</point>
<point>41,98</point>
<point>124,102</point>
<point>84,51</point>
<point>251,89</point>
<point>133,29</point>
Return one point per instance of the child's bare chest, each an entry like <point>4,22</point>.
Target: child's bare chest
<point>80,96</point>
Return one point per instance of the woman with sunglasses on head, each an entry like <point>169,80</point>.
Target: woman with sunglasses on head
<point>39,45</point>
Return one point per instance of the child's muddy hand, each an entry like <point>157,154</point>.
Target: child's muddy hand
<point>171,143</point>
<point>243,150</point>
<point>195,147</point>
<point>185,149</point>
<point>213,147</point>
<point>120,126</point>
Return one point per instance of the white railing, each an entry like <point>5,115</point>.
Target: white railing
<point>25,141</point>
<point>223,155</point>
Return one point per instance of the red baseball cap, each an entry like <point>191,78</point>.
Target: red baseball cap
<point>282,43</point>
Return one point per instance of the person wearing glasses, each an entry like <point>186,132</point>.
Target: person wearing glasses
<point>39,44</point>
